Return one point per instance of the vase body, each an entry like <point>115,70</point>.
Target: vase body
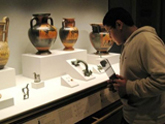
<point>68,33</point>
<point>4,49</point>
<point>42,35</point>
<point>100,39</point>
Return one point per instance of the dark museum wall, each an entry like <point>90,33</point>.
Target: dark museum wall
<point>20,13</point>
<point>144,12</point>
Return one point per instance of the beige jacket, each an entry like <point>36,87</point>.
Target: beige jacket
<point>142,62</point>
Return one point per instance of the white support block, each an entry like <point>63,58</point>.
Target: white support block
<point>6,100</point>
<point>37,85</point>
<point>50,66</point>
<point>7,78</point>
<point>95,59</point>
<point>77,71</point>
<point>68,81</point>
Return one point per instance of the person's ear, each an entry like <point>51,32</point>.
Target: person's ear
<point>119,24</point>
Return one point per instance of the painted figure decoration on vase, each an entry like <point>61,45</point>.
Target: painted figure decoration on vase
<point>100,39</point>
<point>68,33</point>
<point>4,49</point>
<point>42,35</point>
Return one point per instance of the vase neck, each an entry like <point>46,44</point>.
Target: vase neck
<point>69,23</point>
<point>98,28</point>
<point>41,18</point>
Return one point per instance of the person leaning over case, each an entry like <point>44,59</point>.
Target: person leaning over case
<point>141,83</point>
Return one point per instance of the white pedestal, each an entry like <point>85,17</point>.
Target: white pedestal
<point>68,81</point>
<point>6,100</point>
<point>50,66</point>
<point>38,85</point>
<point>7,78</point>
<point>95,59</point>
<point>77,72</point>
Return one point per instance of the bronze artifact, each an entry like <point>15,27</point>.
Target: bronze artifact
<point>87,72</point>
<point>36,78</point>
<point>25,92</point>
<point>99,67</point>
<point>4,49</point>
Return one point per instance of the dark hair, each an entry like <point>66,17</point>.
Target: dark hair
<point>117,13</point>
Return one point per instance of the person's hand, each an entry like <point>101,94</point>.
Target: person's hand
<point>110,85</point>
<point>120,85</point>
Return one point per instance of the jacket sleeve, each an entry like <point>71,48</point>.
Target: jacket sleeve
<point>152,55</point>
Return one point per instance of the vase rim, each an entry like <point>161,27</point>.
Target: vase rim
<point>41,14</point>
<point>100,24</point>
<point>69,18</point>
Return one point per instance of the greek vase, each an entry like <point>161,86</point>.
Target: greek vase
<point>42,35</point>
<point>100,39</point>
<point>68,33</point>
<point>4,49</point>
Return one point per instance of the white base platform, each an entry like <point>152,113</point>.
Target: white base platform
<point>95,59</point>
<point>6,100</point>
<point>7,78</point>
<point>38,85</point>
<point>50,66</point>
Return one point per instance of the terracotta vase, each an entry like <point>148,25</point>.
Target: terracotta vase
<point>100,39</point>
<point>4,49</point>
<point>68,33</point>
<point>42,35</point>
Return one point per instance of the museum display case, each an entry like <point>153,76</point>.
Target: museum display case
<point>64,87</point>
<point>50,83</point>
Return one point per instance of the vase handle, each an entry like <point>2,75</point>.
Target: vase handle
<point>63,23</point>
<point>6,20</point>
<point>31,22</point>
<point>51,20</point>
<point>74,23</point>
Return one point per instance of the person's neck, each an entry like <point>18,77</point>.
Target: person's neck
<point>129,31</point>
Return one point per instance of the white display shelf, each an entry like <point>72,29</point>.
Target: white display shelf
<point>68,81</point>
<point>7,78</point>
<point>50,66</point>
<point>95,59</point>
<point>52,91</point>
